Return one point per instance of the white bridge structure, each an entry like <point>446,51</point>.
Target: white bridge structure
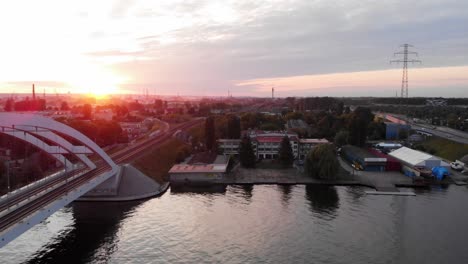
<point>23,208</point>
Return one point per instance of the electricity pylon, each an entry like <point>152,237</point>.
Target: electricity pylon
<point>404,81</point>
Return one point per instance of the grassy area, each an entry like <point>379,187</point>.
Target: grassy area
<point>445,148</point>
<point>160,160</point>
<point>198,131</point>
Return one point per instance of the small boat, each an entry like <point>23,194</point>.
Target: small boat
<point>424,172</point>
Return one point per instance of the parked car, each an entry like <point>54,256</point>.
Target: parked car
<point>457,165</point>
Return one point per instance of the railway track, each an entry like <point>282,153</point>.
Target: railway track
<point>42,187</point>
<point>17,215</point>
<point>123,156</point>
<point>140,148</point>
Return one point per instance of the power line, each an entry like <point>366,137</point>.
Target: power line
<point>404,80</point>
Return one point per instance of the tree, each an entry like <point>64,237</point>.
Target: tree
<point>402,134</point>
<point>347,110</point>
<point>158,104</point>
<point>452,120</point>
<point>210,138</point>
<point>324,125</point>
<point>358,123</point>
<point>9,105</point>
<point>246,153</point>
<point>120,110</point>
<point>285,155</point>
<point>341,138</point>
<point>376,130</point>
<point>233,127</point>
<point>339,108</point>
<point>64,106</point>
<point>293,115</point>
<point>86,111</point>
<point>321,162</point>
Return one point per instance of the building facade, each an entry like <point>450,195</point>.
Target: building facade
<point>266,144</point>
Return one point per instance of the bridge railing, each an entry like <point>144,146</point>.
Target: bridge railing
<point>25,194</point>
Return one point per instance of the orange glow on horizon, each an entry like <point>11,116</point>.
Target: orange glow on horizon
<point>419,78</point>
<point>96,82</point>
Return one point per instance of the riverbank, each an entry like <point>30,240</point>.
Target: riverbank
<point>133,185</point>
<point>388,181</point>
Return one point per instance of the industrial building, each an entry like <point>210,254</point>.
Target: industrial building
<point>387,147</point>
<point>363,159</point>
<point>392,130</point>
<point>414,161</point>
<point>392,163</point>
<point>199,173</point>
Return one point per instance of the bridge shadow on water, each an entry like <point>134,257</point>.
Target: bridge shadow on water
<point>200,189</point>
<point>93,235</point>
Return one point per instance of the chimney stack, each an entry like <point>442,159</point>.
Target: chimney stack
<point>34,93</point>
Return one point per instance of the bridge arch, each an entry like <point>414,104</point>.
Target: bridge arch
<point>30,126</point>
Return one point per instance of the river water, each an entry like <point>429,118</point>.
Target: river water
<point>255,224</point>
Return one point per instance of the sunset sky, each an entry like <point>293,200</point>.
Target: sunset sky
<point>301,47</point>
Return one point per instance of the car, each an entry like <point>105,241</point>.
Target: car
<point>457,165</point>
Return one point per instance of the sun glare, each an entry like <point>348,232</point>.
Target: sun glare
<point>98,84</point>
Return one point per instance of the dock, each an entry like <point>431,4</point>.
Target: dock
<point>391,193</point>
<point>460,183</point>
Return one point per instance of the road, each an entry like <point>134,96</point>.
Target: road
<point>443,132</point>
<point>58,189</point>
<point>440,131</point>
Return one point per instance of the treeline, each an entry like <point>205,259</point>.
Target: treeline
<point>320,103</point>
<point>253,120</point>
<point>102,132</point>
<point>359,124</point>
<point>25,105</point>
<point>402,101</point>
<point>457,101</point>
<point>416,100</point>
<point>28,163</point>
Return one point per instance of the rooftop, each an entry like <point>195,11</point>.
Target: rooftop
<point>273,139</point>
<point>314,140</point>
<point>229,140</point>
<point>187,168</point>
<point>203,157</point>
<point>410,156</point>
<point>360,152</point>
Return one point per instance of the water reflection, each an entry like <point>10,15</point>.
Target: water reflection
<point>433,190</point>
<point>356,193</point>
<point>323,200</point>
<point>285,193</point>
<point>93,236</point>
<point>247,191</point>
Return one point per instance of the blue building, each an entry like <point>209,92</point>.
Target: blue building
<point>363,159</point>
<point>392,130</point>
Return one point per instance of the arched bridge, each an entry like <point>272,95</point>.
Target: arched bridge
<point>22,208</point>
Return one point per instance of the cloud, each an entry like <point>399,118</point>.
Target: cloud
<point>451,81</point>
<point>212,45</point>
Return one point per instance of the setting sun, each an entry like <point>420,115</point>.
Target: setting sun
<point>98,82</point>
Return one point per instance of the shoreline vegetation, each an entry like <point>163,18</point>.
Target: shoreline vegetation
<point>157,163</point>
<point>444,148</point>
